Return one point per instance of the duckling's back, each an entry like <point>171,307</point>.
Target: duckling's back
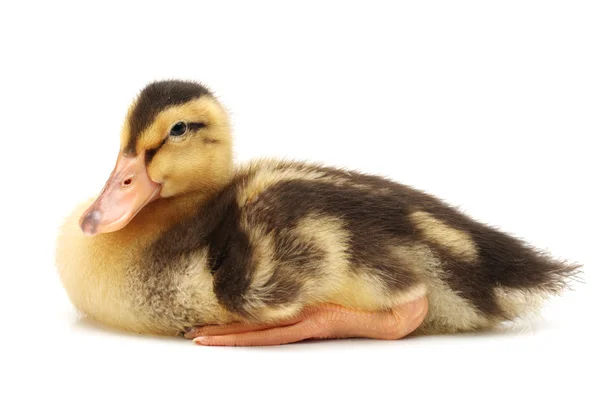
<point>284,235</point>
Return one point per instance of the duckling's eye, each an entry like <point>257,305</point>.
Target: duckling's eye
<point>179,129</point>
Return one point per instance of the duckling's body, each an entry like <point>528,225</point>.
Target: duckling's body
<point>276,237</point>
<point>282,236</point>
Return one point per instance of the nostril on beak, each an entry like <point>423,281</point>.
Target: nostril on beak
<point>127,182</point>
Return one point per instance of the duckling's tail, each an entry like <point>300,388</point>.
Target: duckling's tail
<point>524,290</point>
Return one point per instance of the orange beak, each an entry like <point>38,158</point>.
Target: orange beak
<point>127,191</point>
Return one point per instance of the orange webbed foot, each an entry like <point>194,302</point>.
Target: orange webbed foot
<point>326,321</point>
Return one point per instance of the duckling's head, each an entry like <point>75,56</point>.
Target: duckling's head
<point>175,141</point>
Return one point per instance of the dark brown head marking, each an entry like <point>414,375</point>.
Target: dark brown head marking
<point>156,97</point>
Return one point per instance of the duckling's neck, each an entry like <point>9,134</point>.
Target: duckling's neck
<point>163,213</point>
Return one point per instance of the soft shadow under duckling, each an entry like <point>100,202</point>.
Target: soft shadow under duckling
<point>275,251</point>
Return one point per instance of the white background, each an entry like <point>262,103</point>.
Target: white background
<point>492,106</point>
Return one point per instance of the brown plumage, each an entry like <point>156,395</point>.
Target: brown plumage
<point>260,242</point>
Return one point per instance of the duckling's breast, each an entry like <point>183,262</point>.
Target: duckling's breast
<point>113,279</point>
<point>93,271</point>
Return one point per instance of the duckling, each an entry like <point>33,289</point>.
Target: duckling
<point>182,241</point>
